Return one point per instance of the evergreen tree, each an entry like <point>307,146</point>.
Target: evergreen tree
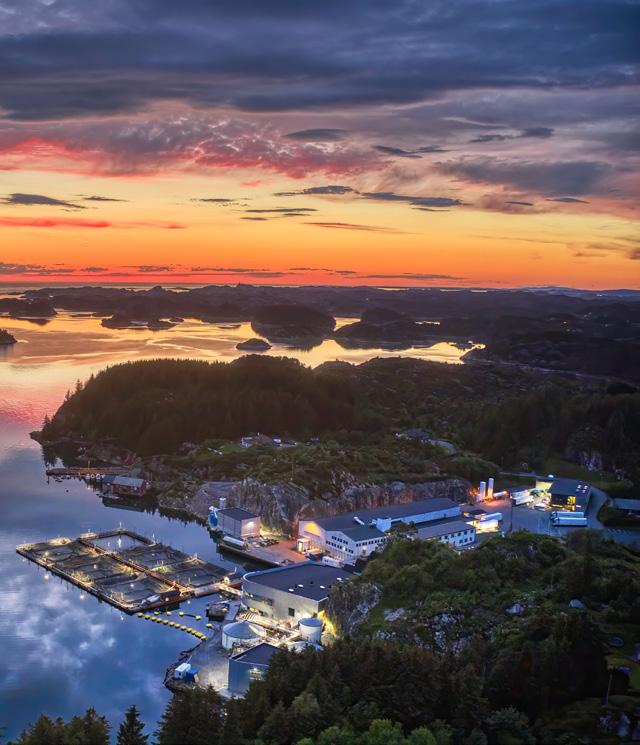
<point>191,718</point>
<point>130,731</point>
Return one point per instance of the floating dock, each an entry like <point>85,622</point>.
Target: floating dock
<point>127,570</point>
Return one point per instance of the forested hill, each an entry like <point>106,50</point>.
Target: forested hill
<point>154,406</point>
<point>503,414</point>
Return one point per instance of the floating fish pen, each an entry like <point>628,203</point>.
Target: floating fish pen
<point>126,570</point>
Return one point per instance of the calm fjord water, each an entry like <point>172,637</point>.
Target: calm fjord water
<point>61,652</point>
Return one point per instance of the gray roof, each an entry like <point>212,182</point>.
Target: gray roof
<point>307,579</point>
<point>442,527</point>
<point>258,655</point>
<point>362,532</point>
<point>236,513</point>
<point>570,488</point>
<point>393,511</point>
<point>626,504</point>
<point>127,481</point>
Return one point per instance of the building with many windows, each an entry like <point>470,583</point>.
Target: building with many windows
<point>356,535</point>
<point>454,532</point>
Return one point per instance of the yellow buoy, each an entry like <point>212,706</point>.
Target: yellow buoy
<point>168,612</point>
<point>147,616</point>
<point>139,615</point>
<point>165,622</point>
<point>181,613</point>
<point>209,625</point>
<point>198,618</point>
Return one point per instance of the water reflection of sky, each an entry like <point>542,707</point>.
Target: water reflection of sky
<point>62,653</point>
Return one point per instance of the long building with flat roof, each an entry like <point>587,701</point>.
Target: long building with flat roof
<point>355,535</point>
<point>293,592</point>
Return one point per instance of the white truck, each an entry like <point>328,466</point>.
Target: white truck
<point>575,520</point>
<point>521,497</point>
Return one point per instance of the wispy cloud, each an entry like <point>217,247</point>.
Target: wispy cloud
<point>354,226</point>
<point>31,200</point>
<point>323,134</point>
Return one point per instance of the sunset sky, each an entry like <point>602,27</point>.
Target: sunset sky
<point>447,142</point>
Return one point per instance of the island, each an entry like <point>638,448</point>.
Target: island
<point>122,321</point>
<point>253,345</point>
<point>292,323</point>
<point>6,339</point>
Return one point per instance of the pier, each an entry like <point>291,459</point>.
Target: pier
<point>126,570</point>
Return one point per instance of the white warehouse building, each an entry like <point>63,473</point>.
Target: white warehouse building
<point>456,533</point>
<point>291,593</point>
<point>355,535</point>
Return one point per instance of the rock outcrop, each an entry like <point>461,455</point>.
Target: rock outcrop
<point>281,505</point>
<point>349,605</point>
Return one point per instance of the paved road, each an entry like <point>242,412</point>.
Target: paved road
<point>524,517</point>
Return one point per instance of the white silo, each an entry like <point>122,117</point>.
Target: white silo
<point>239,632</point>
<point>490,489</point>
<point>483,491</point>
<point>311,629</point>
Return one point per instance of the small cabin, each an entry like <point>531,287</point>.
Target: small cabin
<point>127,486</point>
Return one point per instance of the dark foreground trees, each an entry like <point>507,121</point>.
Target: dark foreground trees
<point>131,729</point>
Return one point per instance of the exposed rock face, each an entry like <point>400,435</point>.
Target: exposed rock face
<point>280,506</point>
<point>349,605</point>
<point>395,492</point>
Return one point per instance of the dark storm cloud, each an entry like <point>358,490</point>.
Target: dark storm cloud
<point>555,178</point>
<point>518,203</point>
<point>317,135</point>
<point>39,199</point>
<point>331,189</point>
<point>74,59</point>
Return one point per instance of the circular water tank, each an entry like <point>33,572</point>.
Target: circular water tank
<point>240,631</point>
<point>311,629</point>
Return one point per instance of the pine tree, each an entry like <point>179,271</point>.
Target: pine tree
<point>130,731</point>
<point>191,718</point>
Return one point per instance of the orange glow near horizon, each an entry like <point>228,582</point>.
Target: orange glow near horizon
<point>157,229</point>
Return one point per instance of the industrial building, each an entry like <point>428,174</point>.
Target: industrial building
<point>566,494</point>
<point>238,523</point>
<point>291,593</point>
<point>454,532</point>
<point>248,666</point>
<point>357,534</point>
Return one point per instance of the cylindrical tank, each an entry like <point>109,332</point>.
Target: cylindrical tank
<point>490,489</point>
<point>483,491</point>
<point>222,503</point>
<point>238,632</point>
<point>311,629</point>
